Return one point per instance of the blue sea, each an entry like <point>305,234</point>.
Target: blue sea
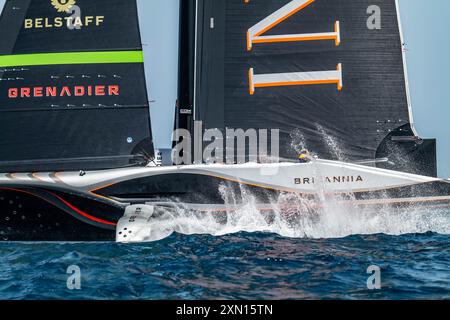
<point>321,259</point>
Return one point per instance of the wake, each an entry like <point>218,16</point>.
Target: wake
<point>292,216</point>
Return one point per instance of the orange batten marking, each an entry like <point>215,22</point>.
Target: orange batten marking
<point>274,40</point>
<point>249,42</point>
<point>296,83</point>
<point>337,31</point>
<point>250,81</point>
<point>284,18</point>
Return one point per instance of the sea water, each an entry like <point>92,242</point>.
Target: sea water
<point>331,256</point>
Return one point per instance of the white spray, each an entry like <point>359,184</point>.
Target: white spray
<point>323,216</point>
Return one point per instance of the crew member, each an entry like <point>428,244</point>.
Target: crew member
<point>304,156</point>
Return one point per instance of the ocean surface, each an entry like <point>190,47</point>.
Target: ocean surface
<point>325,257</point>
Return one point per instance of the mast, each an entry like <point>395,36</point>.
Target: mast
<point>187,55</point>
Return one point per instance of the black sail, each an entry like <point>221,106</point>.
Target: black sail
<point>72,92</point>
<point>320,71</point>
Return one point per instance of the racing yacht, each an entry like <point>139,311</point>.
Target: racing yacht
<point>76,148</point>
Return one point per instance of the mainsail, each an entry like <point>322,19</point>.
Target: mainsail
<point>329,74</point>
<point>72,92</point>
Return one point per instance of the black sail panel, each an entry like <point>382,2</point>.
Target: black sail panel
<point>315,70</point>
<point>72,92</point>
<point>41,26</point>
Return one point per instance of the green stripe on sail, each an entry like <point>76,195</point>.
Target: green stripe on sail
<point>47,59</point>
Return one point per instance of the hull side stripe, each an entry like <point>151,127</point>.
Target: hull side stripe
<point>78,211</point>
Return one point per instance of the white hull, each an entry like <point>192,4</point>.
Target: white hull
<point>317,176</point>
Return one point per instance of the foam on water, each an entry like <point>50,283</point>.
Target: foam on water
<point>292,216</point>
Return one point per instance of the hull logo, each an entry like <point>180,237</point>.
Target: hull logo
<point>333,180</point>
<point>63,5</point>
<point>75,20</point>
